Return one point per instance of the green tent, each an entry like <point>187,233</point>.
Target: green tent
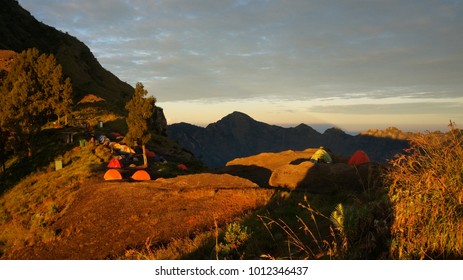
<point>321,156</point>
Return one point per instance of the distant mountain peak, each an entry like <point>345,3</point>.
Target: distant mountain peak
<point>238,116</point>
<point>238,135</point>
<point>334,131</point>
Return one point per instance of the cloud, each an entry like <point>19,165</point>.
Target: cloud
<point>211,49</point>
<point>418,108</point>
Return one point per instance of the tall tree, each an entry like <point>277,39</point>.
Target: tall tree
<point>32,92</point>
<point>140,109</point>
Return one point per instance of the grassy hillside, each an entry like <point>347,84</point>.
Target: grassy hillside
<point>218,216</point>
<point>19,31</point>
<point>34,195</point>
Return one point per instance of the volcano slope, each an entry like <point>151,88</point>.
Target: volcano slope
<point>107,218</point>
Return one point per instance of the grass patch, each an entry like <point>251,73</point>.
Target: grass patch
<point>28,209</point>
<point>427,198</point>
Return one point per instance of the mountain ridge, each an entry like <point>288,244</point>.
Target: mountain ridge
<point>239,135</point>
<point>19,31</point>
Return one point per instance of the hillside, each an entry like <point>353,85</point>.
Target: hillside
<point>106,219</point>
<point>19,31</point>
<point>238,135</point>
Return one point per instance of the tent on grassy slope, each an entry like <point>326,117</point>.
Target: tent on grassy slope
<point>141,175</point>
<point>182,166</point>
<point>321,156</point>
<point>359,157</point>
<point>115,163</point>
<point>150,153</point>
<point>112,174</point>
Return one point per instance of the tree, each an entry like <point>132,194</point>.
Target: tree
<point>33,91</point>
<point>140,109</point>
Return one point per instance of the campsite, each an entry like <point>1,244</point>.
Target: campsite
<point>116,210</point>
<point>93,168</point>
<point>97,200</point>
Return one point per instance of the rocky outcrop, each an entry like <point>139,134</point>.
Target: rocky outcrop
<point>326,178</point>
<point>293,170</point>
<point>159,121</point>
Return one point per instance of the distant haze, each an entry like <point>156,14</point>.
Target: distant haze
<point>354,64</point>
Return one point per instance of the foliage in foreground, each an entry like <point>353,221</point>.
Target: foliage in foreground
<point>427,198</point>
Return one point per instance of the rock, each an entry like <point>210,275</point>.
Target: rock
<point>327,178</point>
<point>159,121</point>
<point>289,175</point>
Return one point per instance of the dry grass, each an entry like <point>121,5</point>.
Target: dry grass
<point>427,196</point>
<point>307,242</point>
<point>28,210</point>
<point>105,219</point>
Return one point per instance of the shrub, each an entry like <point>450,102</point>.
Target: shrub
<point>235,237</point>
<point>427,197</point>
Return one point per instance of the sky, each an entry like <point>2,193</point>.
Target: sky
<point>351,64</point>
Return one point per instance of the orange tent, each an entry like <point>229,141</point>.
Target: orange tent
<point>359,157</point>
<point>114,163</point>
<point>141,175</point>
<point>112,174</point>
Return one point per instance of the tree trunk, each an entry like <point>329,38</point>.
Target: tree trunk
<point>145,160</point>
<point>3,164</point>
<point>29,149</point>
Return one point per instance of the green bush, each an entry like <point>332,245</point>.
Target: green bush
<point>235,237</point>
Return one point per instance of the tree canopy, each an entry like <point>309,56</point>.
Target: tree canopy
<point>140,109</point>
<point>33,91</point>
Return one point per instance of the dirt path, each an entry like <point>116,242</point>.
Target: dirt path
<point>106,219</point>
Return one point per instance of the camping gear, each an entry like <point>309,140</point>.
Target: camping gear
<point>321,156</point>
<point>114,136</point>
<point>103,139</point>
<point>122,149</point>
<point>182,166</point>
<point>150,153</point>
<point>58,163</point>
<point>359,157</point>
<point>115,163</point>
<point>141,175</point>
<point>112,174</point>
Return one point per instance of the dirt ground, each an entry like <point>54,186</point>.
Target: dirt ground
<point>108,218</point>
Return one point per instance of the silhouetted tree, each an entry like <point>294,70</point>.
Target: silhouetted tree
<point>140,109</point>
<point>32,92</point>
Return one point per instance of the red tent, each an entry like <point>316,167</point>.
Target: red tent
<point>359,157</point>
<point>114,163</point>
<point>150,153</point>
<point>182,166</point>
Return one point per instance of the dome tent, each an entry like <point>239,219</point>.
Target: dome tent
<point>321,155</point>
<point>141,175</point>
<point>112,174</point>
<point>359,157</point>
<point>115,163</point>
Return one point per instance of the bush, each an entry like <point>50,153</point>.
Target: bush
<point>235,237</point>
<point>427,197</point>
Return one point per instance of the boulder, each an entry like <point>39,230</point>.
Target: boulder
<point>290,175</point>
<point>326,178</point>
<point>159,122</point>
